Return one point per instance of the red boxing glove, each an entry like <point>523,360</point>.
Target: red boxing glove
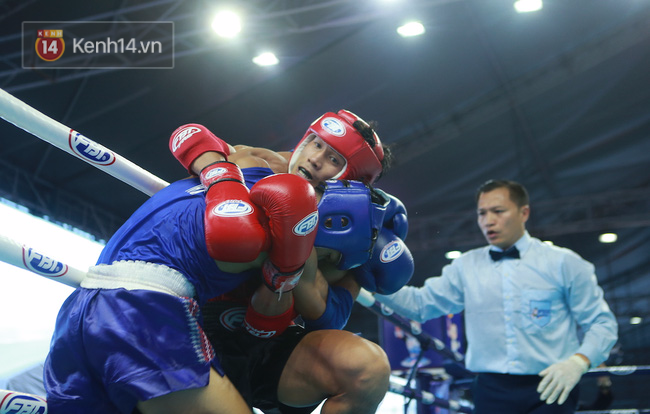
<point>265,326</point>
<point>278,281</point>
<point>233,225</point>
<point>292,209</point>
<point>188,142</point>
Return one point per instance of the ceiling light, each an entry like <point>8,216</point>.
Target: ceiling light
<point>452,254</point>
<point>266,59</point>
<point>525,6</point>
<point>226,24</point>
<point>410,29</point>
<point>607,238</point>
<point>635,320</point>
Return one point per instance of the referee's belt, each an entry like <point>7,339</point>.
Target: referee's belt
<point>133,275</point>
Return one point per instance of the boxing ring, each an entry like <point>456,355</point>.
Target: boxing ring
<point>43,127</point>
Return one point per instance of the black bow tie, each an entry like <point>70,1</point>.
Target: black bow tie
<point>512,252</point>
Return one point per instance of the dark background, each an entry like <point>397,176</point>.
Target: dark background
<point>558,99</point>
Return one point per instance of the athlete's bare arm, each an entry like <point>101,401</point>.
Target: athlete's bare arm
<point>246,157</point>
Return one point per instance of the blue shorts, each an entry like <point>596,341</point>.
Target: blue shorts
<point>114,347</point>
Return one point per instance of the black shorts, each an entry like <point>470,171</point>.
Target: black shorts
<point>252,364</point>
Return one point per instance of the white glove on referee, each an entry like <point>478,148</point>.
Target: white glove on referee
<point>560,378</point>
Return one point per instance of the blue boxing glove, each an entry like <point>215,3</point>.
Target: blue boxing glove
<point>390,267</point>
<point>395,218</point>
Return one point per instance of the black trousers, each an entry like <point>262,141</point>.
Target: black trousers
<point>515,394</point>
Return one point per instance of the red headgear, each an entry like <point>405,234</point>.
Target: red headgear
<point>363,162</point>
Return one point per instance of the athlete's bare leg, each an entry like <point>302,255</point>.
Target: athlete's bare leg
<point>218,397</point>
<point>351,372</point>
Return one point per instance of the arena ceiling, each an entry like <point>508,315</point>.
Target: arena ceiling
<point>557,99</point>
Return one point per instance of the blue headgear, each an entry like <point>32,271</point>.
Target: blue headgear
<point>351,216</point>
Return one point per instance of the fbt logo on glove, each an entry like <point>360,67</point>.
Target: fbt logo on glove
<point>182,136</point>
<point>98,45</point>
<point>215,173</point>
<point>232,208</point>
<point>306,225</point>
<point>391,252</point>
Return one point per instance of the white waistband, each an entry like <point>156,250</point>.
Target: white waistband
<point>133,275</point>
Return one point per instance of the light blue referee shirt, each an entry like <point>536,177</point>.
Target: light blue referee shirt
<point>521,315</point>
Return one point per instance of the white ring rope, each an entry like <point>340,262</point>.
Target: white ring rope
<point>619,370</point>
<point>40,125</point>
<point>25,257</point>
<point>618,411</point>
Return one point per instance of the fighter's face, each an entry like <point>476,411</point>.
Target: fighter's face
<point>500,219</point>
<point>327,261</point>
<point>317,162</point>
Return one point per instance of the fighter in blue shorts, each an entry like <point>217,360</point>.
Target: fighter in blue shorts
<point>130,337</point>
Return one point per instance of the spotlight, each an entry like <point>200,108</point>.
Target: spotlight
<point>525,6</point>
<point>636,320</point>
<point>410,29</point>
<point>452,254</point>
<point>226,24</point>
<point>607,238</point>
<point>265,59</point>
